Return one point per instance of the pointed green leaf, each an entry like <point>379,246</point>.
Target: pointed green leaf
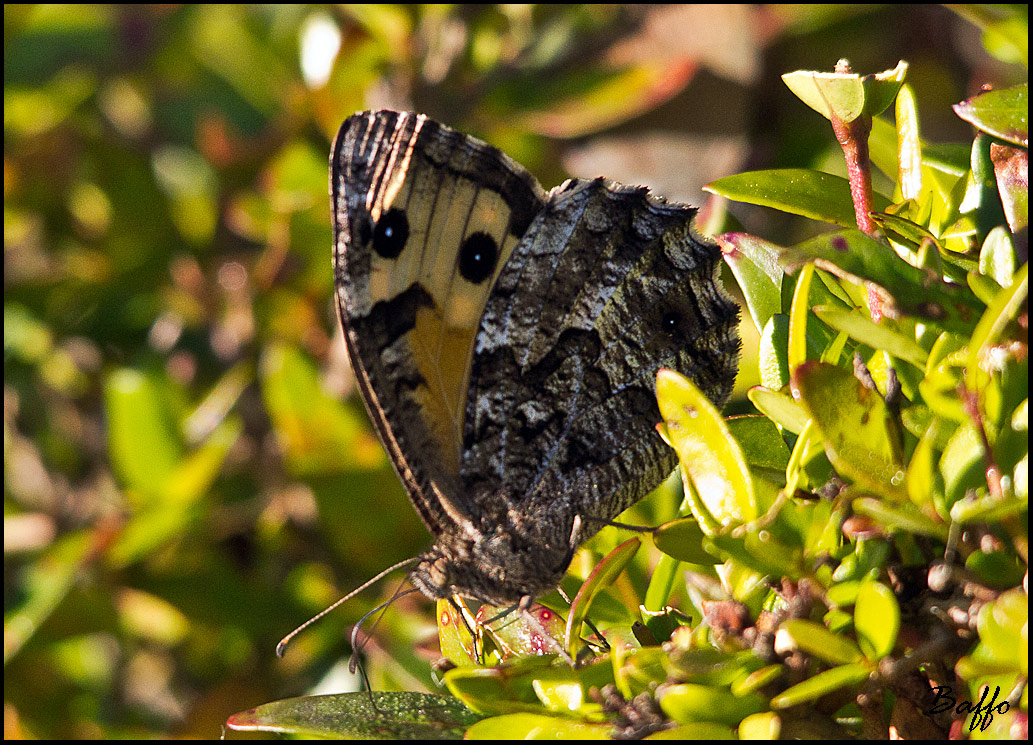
<point>798,191</point>
<point>1002,113</point>
<point>143,438</point>
<point>1004,308</point>
<point>909,146</point>
<point>904,517</point>
<point>529,726</point>
<point>821,684</point>
<point>499,690</point>
<point>604,575</point>
<point>797,344</point>
<point>858,258</point>
<point>773,356</point>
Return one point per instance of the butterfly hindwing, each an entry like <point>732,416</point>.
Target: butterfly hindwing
<point>607,286</point>
<point>424,218</point>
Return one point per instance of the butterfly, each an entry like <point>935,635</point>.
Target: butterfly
<point>506,342</point>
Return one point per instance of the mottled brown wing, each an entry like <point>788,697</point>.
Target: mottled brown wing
<point>607,286</point>
<point>424,219</point>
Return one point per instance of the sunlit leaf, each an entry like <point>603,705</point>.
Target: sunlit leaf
<point>821,684</point>
<point>706,449</point>
<point>854,423</point>
<point>876,620</point>
<point>1002,113</point>
<point>798,191</point>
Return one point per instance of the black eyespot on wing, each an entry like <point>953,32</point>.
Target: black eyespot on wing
<point>391,234</point>
<point>478,257</point>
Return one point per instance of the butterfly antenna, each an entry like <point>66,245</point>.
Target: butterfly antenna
<point>356,644</point>
<point>282,646</point>
<point>354,661</point>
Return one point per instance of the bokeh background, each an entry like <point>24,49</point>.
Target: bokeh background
<point>187,472</point>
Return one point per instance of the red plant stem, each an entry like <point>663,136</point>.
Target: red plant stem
<point>853,138</point>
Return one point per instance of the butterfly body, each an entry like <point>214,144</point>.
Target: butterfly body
<point>506,342</point>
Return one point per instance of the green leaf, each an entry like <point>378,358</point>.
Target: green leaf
<point>143,439</point>
<point>520,634</point>
<point>455,641</point>
<point>904,518</point>
<point>604,575</point>
<point>846,95</point>
<point>997,257</point>
<point>703,731</point>
<point>1005,29</point>
<point>754,262</point>
<point>683,539</point>
<point>854,256</point>
<point>817,640</point>
<point>961,464</point>
<point>528,726</point>
<point>706,449</point>
<point>1004,308</point>
<point>317,432</point>
<point>875,335</point>
<point>366,715</point>
<point>1002,113</point>
<point>765,725</point>
<point>854,424</point>
<point>921,470</point>
<point>499,690</point>
<point>991,508</point>
<point>1002,626</point>
<point>773,357</point>
<point>907,232</point>
<point>47,581</point>
<point>876,620</point>
<point>797,344</point>
<point>758,679</point>
<point>779,408</point>
<point>691,702</point>
<point>821,684</point>
<point>909,145</point>
<point>798,191</point>
<point>761,442</point>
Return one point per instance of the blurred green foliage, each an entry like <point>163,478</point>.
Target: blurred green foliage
<point>187,475</point>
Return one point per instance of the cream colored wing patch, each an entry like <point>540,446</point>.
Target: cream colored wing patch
<point>425,218</point>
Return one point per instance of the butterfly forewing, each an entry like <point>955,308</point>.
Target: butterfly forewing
<point>424,219</point>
